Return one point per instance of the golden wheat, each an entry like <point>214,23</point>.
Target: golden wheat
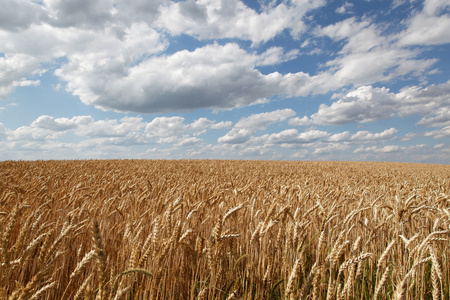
<point>135,229</point>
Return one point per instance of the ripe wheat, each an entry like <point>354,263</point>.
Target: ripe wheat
<point>135,229</point>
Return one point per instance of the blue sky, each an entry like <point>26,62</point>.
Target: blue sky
<point>284,80</point>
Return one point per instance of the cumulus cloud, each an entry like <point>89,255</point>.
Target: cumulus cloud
<point>367,104</point>
<point>291,136</point>
<point>166,127</point>
<point>120,67</point>
<point>440,133</point>
<point>20,14</point>
<point>345,8</point>
<point>98,55</point>
<point>262,120</point>
<point>441,119</point>
<point>47,132</point>
<point>201,125</point>
<point>222,125</point>
<point>339,137</point>
<point>173,127</point>
<point>110,53</point>
<point>256,151</point>
<point>14,69</point>
<point>303,121</point>
<point>425,101</point>
<point>112,128</point>
<point>66,13</point>
<point>189,142</point>
<point>246,127</point>
<point>368,55</point>
<point>28,134</point>
<point>409,136</point>
<point>61,124</point>
<point>331,148</point>
<point>368,136</point>
<point>244,132</point>
<point>363,136</point>
<point>213,76</point>
<point>236,136</point>
<point>375,149</point>
<point>208,19</point>
<point>428,27</point>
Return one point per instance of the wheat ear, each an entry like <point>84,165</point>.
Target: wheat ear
<point>381,283</point>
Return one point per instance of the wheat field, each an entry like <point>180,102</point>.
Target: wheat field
<point>182,229</point>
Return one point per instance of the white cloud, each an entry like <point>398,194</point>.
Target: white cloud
<point>375,149</point>
<point>201,125</point>
<point>441,119</point>
<point>339,137</point>
<point>304,121</point>
<point>368,104</point>
<point>28,134</point>
<point>112,128</point>
<point>425,101</point>
<point>14,69</point>
<point>365,104</point>
<point>213,76</point>
<point>112,52</point>
<point>2,131</point>
<point>61,124</point>
<point>428,27</point>
<point>20,14</point>
<point>256,151</point>
<point>244,133</point>
<point>362,136</point>
<point>210,19</point>
<point>440,133</point>
<point>168,140</point>
<point>222,125</point>
<point>171,127</point>
<point>109,138</point>
<point>66,13</point>
<point>93,55</point>
<point>345,8</point>
<point>368,136</point>
<point>137,10</point>
<point>331,148</point>
<point>189,142</point>
<point>300,154</point>
<point>246,127</point>
<point>368,55</point>
<point>47,131</point>
<point>262,120</point>
<point>274,56</point>
<point>409,136</point>
<point>414,147</point>
<point>236,136</point>
<point>291,136</point>
<point>46,128</point>
<point>166,127</point>
<point>115,69</point>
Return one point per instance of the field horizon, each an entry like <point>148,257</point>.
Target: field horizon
<point>230,160</point>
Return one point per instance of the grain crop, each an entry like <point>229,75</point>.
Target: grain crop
<point>210,229</point>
